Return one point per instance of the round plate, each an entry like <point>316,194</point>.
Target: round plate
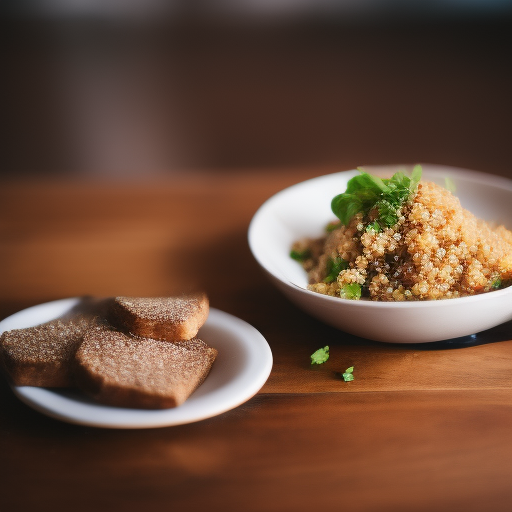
<point>303,210</point>
<point>241,368</point>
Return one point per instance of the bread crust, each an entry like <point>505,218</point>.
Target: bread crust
<point>42,356</point>
<point>118,369</point>
<point>160,318</point>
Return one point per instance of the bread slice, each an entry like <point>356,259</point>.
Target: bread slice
<point>42,355</point>
<point>161,318</point>
<point>117,369</point>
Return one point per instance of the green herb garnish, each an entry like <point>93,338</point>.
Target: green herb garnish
<point>388,212</point>
<point>300,255</point>
<point>365,192</point>
<point>496,283</point>
<point>348,375</point>
<point>373,226</point>
<point>351,291</point>
<point>449,185</point>
<point>320,356</point>
<point>334,267</point>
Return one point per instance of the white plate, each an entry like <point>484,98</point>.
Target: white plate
<point>242,367</point>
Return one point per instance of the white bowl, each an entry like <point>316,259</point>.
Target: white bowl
<point>303,210</point>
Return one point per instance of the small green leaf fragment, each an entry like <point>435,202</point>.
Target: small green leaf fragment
<point>348,375</point>
<point>334,267</point>
<point>373,226</point>
<point>351,291</point>
<point>320,356</point>
<point>496,284</point>
<point>388,213</point>
<point>449,185</point>
<point>415,177</point>
<point>300,255</point>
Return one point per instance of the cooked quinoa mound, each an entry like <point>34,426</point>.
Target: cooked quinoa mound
<point>436,250</point>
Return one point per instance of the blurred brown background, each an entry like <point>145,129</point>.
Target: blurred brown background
<point>204,109</point>
<point>148,88</point>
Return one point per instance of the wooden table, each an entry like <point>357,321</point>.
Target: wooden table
<point>421,428</point>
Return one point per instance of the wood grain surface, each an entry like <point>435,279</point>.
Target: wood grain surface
<point>422,427</point>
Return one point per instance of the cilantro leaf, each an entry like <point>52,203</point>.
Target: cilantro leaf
<point>348,375</point>
<point>387,213</point>
<point>334,267</point>
<point>495,285</point>
<point>320,356</point>
<point>365,192</point>
<point>366,181</point>
<point>300,255</point>
<point>346,205</point>
<point>351,291</point>
<point>373,226</point>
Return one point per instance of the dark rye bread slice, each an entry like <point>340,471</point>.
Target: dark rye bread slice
<point>42,355</point>
<point>121,370</point>
<point>160,318</point>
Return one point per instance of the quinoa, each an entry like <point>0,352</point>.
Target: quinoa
<point>435,250</point>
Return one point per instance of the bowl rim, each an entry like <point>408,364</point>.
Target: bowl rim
<point>466,174</point>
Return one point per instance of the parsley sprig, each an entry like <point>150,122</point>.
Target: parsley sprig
<point>300,255</point>
<point>366,192</point>
<point>351,291</point>
<point>320,356</point>
<point>334,267</point>
<point>496,283</point>
<point>348,375</point>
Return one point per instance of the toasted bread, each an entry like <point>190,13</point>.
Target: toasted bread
<point>42,355</point>
<point>118,369</point>
<point>160,318</point>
